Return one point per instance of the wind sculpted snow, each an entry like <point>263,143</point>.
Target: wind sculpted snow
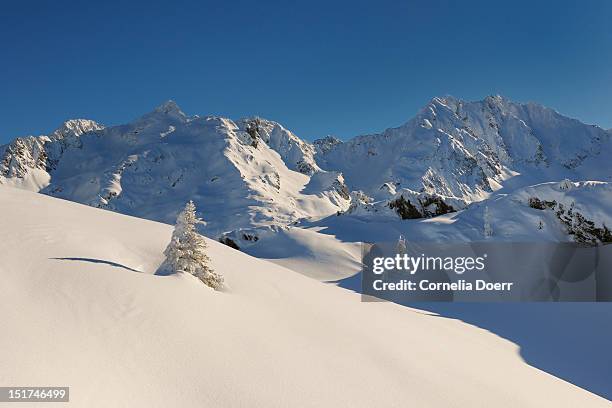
<point>274,338</point>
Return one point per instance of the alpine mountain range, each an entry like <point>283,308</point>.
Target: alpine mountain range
<point>536,173</point>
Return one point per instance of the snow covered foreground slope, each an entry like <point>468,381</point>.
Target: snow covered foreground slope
<point>81,307</point>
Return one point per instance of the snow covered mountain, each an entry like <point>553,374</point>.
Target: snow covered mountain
<point>248,173</point>
<point>455,152</point>
<point>27,161</point>
<point>252,178</point>
<point>82,307</point>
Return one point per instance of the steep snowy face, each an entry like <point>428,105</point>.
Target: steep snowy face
<point>463,151</point>
<point>251,174</point>
<point>326,144</point>
<point>431,153</point>
<point>530,135</point>
<point>67,136</point>
<point>21,156</point>
<point>75,128</point>
<point>297,154</point>
<point>26,161</point>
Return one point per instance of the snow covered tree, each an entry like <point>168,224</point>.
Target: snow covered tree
<point>488,231</point>
<point>401,245</point>
<point>187,250</point>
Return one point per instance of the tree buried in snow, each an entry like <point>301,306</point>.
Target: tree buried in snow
<point>401,245</point>
<point>187,250</point>
<point>488,231</point>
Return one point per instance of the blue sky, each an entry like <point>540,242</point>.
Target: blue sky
<point>341,68</point>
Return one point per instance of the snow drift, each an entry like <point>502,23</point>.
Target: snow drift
<point>81,307</point>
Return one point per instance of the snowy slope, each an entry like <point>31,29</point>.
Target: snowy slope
<point>82,307</point>
<point>554,211</point>
<point>328,249</point>
<point>309,251</point>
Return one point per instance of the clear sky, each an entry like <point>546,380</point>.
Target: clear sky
<point>318,67</point>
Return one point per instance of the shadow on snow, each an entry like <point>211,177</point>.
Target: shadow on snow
<point>97,261</point>
<point>568,340</point>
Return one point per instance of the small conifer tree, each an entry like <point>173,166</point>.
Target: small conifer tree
<point>401,245</point>
<point>186,251</point>
<point>488,231</point>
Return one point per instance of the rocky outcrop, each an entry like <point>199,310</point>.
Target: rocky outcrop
<point>297,154</point>
<point>578,226</point>
<point>24,154</point>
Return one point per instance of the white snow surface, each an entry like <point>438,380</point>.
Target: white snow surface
<point>81,307</point>
<point>511,217</point>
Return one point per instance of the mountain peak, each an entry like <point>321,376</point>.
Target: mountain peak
<point>169,107</point>
<point>498,100</point>
<point>76,127</point>
<point>444,99</point>
<point>496,97</point>
<point>167,110</point>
